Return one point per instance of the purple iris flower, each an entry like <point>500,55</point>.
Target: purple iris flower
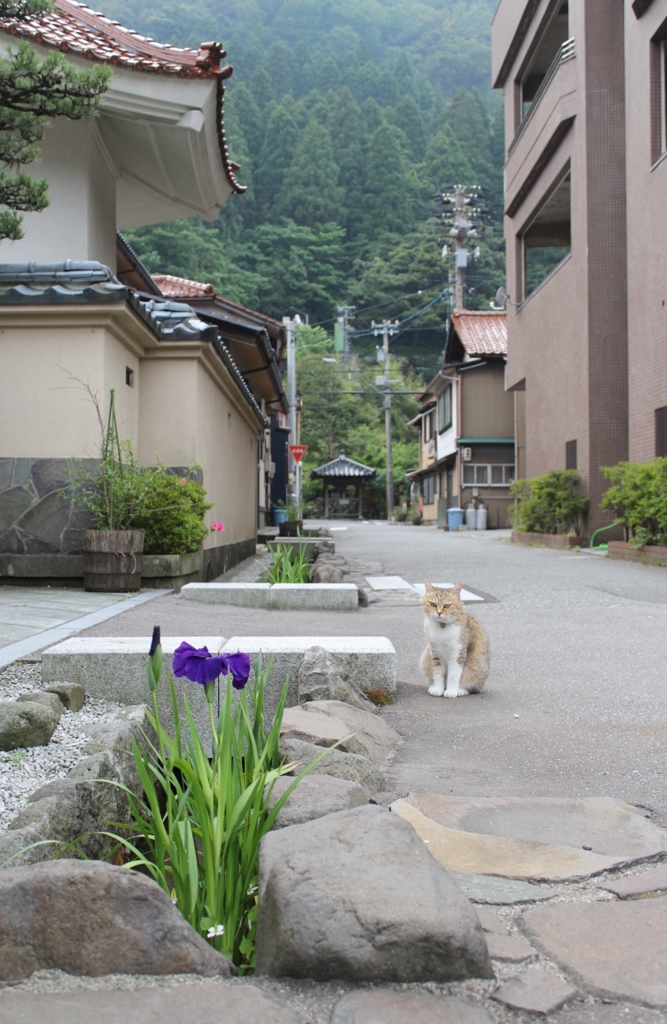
<point>200,666</point>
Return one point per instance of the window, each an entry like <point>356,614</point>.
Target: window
<point>546,241</point>
<point>570,454</point>
<point>445,409</point>
<point>661,431</point>
<point>659,94</point>
<point>429,489</point>
<point>477,474</point>
<point>536,74</point>
<point>129,377</point>
<point>428,426</point>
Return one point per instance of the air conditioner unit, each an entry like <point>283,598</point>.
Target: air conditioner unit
<point>467,454</point>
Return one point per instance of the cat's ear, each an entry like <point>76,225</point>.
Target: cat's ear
<point>456,590</point>
<point>428,587</point>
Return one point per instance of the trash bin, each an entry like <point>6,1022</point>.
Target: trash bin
<point>482,516</point>
<point>471,517</point>
<point>279,516</point>
<point>454,518</point>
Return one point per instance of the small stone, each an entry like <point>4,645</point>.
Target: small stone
<point>511,948</point>
<point>49,700</point>
<point>535,990</point>
<point>315,796</point>
<point>25,725</point>
<point>72,695</point>
<point>326,574</point>
<point>653,881</point>
<point>90,918</point>
<point>208,1001</point>
<point>356,895</point>
<point>321,677</point>
<point>369,735</point>
<point>388,1006</point>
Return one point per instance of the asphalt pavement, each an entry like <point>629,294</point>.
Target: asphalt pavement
<point>576,702</point>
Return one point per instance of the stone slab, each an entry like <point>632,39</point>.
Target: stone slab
<point>543,839</point>
<point>490,921</point>
<point>322,730</point>
<point>479,854</point>
<point>487,889</point>
<point>235,1004</point>
<point>614,950</point>
<point>244,595</point>
<point>333,597</point>
<point>636,886</point>
<point>388,1006</point>
<point>535,990</point>
<point>368,661</point>
<point>116,669</point>
<point>372,736</point>
<point>510,948</point>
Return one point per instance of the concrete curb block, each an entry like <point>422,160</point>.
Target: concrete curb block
<point>284,596</point>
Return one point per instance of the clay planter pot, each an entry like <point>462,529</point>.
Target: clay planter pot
<point>291,529</point>
<point>112,560</point>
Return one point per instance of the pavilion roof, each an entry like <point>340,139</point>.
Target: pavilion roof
<point>344,468</point>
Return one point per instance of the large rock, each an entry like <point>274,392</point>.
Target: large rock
<point>326,574</point>
<point>322,677</point>
<point>90,918</point>
<point>206,1001</point>
<point>356,895</point>
<point>49,700</point>
<point>26,724</point>
<point>315,796</point>
<point>337,763</point>
<point>332,721</point>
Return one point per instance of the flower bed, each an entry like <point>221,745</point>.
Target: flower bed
<point>649,554</point>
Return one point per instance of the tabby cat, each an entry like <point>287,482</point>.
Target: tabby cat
<point>458,651</point>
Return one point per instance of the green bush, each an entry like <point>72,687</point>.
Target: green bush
<point>171,511</point>
<point>549,503</point>
<point>638,496</point>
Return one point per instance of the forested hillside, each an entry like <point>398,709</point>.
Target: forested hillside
<point>347,116</point>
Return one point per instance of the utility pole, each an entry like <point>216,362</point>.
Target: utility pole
<point>459,203</point>
<point>345,320</point>
<point>387,328</point>
<point>291,405</point>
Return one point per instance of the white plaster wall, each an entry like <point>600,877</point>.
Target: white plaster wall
<point>167,411</point>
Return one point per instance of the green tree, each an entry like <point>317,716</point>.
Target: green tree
<point>445,162</point>
<point>32,90</point>
<point>468,118</point>
<point>387,205</point>
<point>407,117</point>
<point>271,179</point>
<point>314,196</point>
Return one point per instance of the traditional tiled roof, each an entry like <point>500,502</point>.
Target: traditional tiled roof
<point>481,333</point>
<point>74,28</point>
<point>181,287</point>
<point>344,467</point>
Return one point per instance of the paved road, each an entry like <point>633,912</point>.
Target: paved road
<point>576,703</point>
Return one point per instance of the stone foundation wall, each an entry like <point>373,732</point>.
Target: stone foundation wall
<point>37,515</point>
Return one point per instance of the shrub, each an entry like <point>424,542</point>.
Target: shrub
<point>638,497</point>
<point>171,511</point>
<point>549,503</point>
<point>288,565</point>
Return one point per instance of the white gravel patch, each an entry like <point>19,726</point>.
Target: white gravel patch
<point>24,770</point>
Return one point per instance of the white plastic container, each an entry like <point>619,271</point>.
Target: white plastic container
<point>482,517</point>
<point>471,517</point>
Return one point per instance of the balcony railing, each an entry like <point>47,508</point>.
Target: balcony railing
<point>565,52</point>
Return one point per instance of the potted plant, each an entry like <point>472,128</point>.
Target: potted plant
<point>416,519</point>
<point>294,523</point>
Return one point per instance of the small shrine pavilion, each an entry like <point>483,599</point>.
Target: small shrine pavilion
<point>338,476</point>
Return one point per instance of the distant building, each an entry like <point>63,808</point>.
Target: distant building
<point>76,303</point>
<point>585,221</point>
<point>466,423</point>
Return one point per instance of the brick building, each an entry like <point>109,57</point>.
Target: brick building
<point>585,185</point>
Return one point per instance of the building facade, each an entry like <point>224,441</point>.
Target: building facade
<point>585,215</point>
<point>466,424</point>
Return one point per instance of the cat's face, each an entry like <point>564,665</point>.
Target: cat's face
<point>442,605</point>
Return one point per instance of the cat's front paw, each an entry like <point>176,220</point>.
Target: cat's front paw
<point>435,690</point>
<point>452,693</point>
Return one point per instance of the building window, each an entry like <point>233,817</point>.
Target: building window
<point>129,377</point>
<point>570,454</point>
<point>429,489</point>
<point>477,474</point>
<point>661,432</point>
<point>547,239</point>
<point>531,84</point>
<point>428,426</point>
<point>445,409</point>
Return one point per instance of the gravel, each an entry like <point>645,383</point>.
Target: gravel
<point>24,770</point>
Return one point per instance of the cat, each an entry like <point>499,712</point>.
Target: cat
<point>458,651</point>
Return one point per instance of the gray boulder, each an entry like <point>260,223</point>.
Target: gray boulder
<point>336,763</point>
<point>315,796</point>
<point>26,724</point>
<point>72,695</point>
<point>90,918</point>
<point>356,895</point>
<point>321,677</point>
<point>372,736</point>
<point>49,700</point>
<point>326,574</point>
